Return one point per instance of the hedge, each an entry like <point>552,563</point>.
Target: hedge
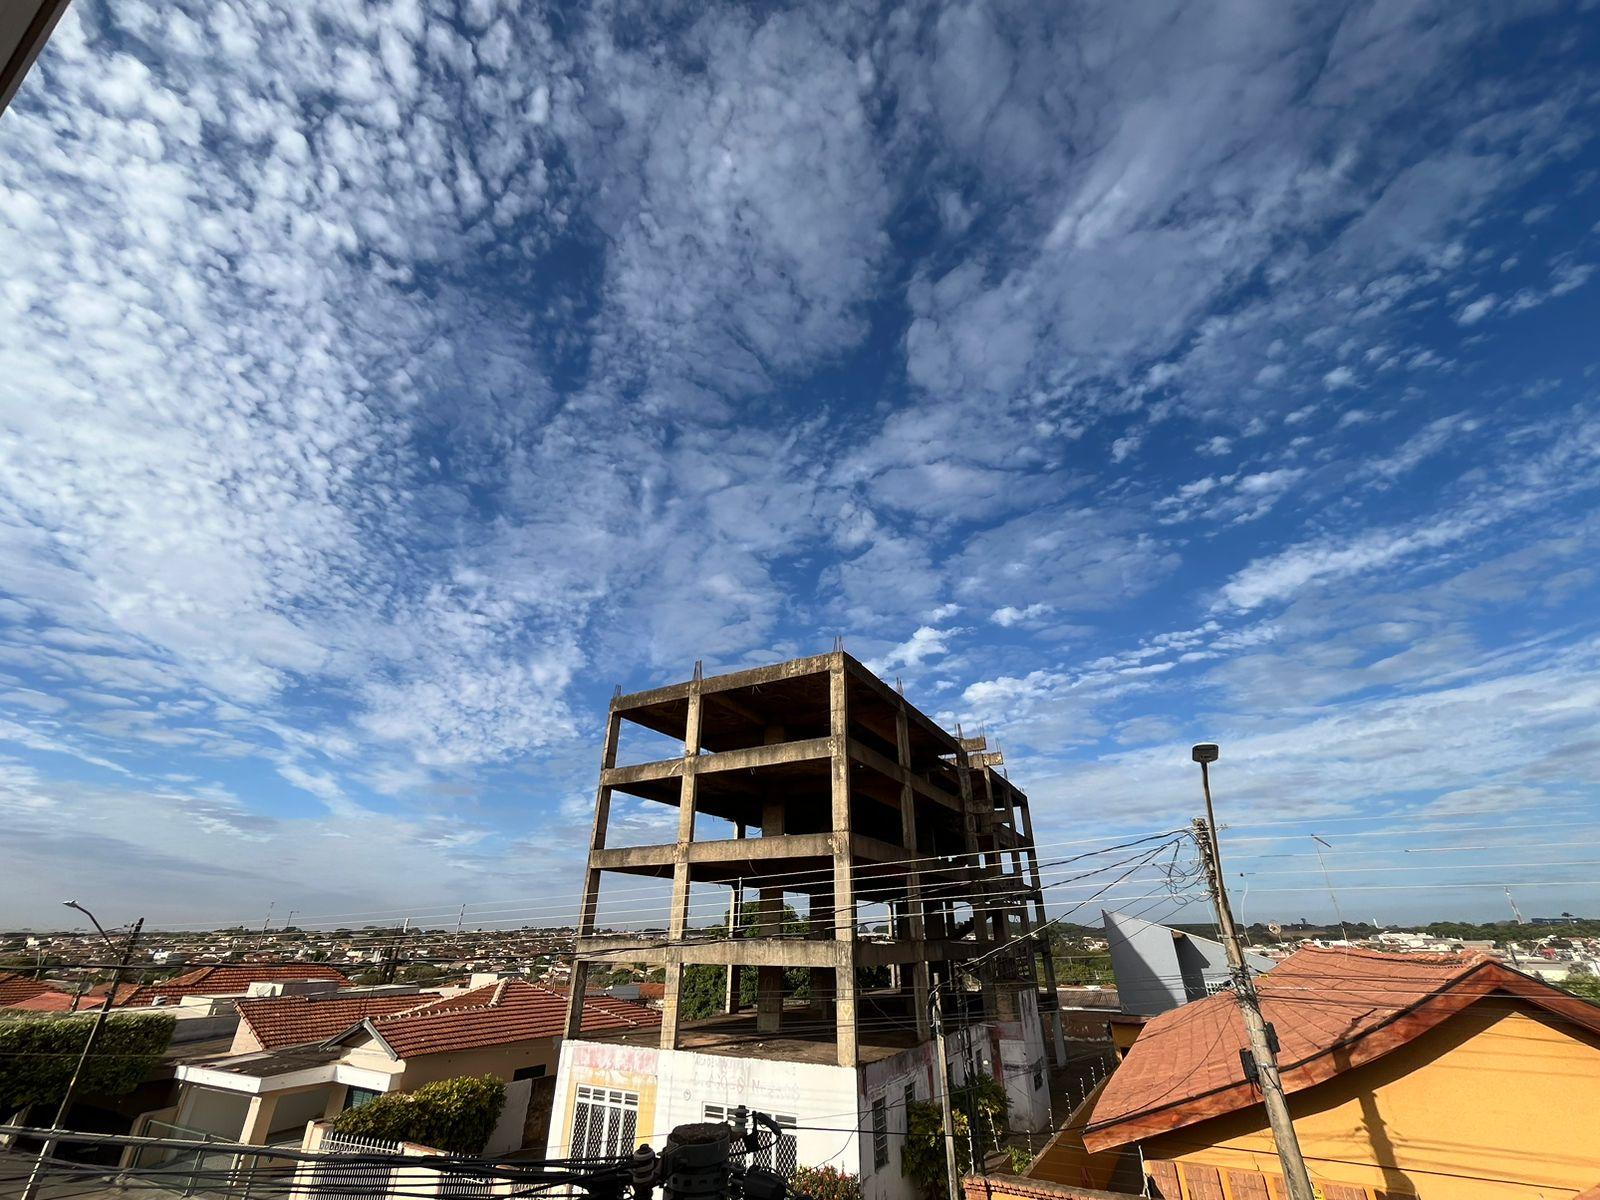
<point>38,1054</point>
<point>825,1183</point>
<point>453,1115</point>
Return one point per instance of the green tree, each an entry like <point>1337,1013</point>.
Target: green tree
<point>38,1054</point>
<point>1586,986</point>
<point>922,1156</point>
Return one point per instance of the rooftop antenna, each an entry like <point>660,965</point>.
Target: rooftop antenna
<point>1328,879</point>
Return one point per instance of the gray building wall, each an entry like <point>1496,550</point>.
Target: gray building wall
<point>1158,967</point>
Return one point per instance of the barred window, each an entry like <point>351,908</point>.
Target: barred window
<point>880,1134</point>
<point>783,1157</point>
<point>604,1122</point>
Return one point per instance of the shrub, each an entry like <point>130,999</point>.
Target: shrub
<point>38,1054</point>
<point>825,1183</point>
<point>453,1115</point>
<point>922,1159</point>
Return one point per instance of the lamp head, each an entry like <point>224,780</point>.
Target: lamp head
<point>1205,752</point>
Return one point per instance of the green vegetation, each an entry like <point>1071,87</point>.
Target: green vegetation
<point>1587,986</point>
<point>38,1054</point>
<point>922,1158</point>
<point>825,1183</point>
<point>453,1115</point>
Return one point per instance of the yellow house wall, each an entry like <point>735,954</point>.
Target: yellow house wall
<point>626,1068</point>
<point>1500,1101</point>
<point>500,1061</point>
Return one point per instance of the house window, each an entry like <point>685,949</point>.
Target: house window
<point>880,1134</point>
<point>604,1122</point>
<point>781,1157</point>
<point>1038,1073</point>
<point>355,1097</point>
<point>528,1073</point>
<point>909,1100</point>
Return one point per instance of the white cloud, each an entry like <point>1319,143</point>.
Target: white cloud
<point>1477,310</point>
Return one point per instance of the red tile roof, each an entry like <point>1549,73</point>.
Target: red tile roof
<point>227,979</point>
<point>279,1021</point>
<point>503,1012</point>
<point>1361,1003</point>
<point>16,988</point>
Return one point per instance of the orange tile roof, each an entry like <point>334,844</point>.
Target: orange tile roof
<point>14,989</point>
<point>227,979</point>
<point>1185,1066</point>
<point>279,1021</point>
<point>507,1011</point>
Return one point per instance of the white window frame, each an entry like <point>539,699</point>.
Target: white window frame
<point>617,1130</point>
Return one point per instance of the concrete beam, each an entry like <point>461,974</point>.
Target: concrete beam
<point>741,952</point>
<point>724,850</point>
<point>868,757</point>
<point>778,952</point>
<point>752,758</point>
<point>886,693</point>
<point>816,665</point>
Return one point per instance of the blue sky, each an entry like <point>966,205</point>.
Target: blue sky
<point>384,383</point>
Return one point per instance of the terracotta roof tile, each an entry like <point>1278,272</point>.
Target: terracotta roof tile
<point>280,1021</point>
<point>1185,1066</point>
<point>507,1011</point>
<point>227,979</point>
<point>15,989</point>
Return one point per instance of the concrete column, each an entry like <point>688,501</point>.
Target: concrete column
<point>591,877</point>
<point>730,998</point>
<point>822,978</point>
<point>258,1119</point>
<point>844,909</point>
<point>911,907</point>
<point>1057,1037</point>
<point>678,918</point>
<point>769,921</point>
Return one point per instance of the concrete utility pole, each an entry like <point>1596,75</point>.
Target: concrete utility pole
<point>941,1080</point>
<point>49,1147</point>
<point>1295,1176</point>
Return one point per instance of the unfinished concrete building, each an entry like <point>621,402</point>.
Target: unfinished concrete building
<point>838,835</point>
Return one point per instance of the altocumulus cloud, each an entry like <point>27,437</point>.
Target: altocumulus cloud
<point>383,381</point>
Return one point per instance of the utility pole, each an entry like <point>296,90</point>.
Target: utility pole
<point>49,1147</point>
<point>460,917</point>
<point>941,1080</point>
<point>1262,1041</point>
<point>271,904</point>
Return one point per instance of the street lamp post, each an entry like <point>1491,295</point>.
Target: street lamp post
<point>49,1147</point>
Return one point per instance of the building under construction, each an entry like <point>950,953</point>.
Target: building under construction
<point>827,832</point>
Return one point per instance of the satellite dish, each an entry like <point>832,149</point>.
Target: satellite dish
<point>1274,929</point>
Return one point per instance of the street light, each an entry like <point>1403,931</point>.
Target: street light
<point>49,1147</point>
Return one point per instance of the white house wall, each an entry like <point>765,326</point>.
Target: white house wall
<point>831,1105</point>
